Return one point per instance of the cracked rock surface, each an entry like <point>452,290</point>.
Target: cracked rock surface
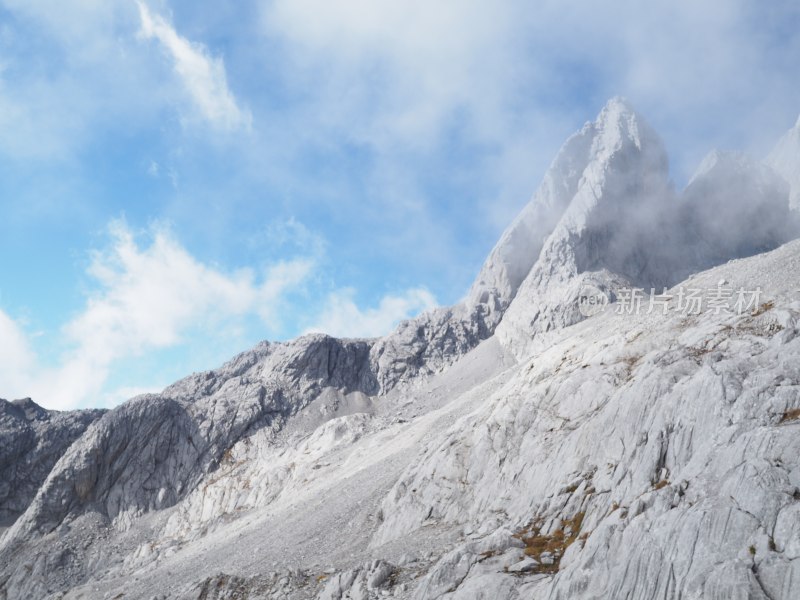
<point>509,446</point>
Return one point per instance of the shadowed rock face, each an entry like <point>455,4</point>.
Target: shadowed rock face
<point>785,160</point>
<point>584,422</point>
<point>32,439</point>
<point>734,207</point>
<point>149,452</point>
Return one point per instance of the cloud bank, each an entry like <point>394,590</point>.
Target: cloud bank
<point>511,75</point>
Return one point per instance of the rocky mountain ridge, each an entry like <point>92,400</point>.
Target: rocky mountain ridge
<point>32,440</point>
<point>503,447</point>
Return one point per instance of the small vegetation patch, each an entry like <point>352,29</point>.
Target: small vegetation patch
<point>550,548</point>
<point>764,308</point>
<point>791,415</point>
<point>698,352</point>
<point>631,361</point>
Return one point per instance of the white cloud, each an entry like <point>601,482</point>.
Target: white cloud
<point>154,295</point>
<point>419,84</point>
<point>71,72</point>
<point>16,358</point>
<point>343,318</point>
<point>147,298</point>
<point>514,78</point>
<point>202,75</point>
<point>400,68</point>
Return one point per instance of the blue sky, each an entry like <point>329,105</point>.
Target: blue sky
<point>179,180</point>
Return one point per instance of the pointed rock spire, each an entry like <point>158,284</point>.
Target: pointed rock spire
<point>617,141</point>
<point>611,211</point>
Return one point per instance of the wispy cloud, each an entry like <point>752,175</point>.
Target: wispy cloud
<point>342,317</point>
<point>148,297</point>
<point>202,74</point>
<point>150,294</point>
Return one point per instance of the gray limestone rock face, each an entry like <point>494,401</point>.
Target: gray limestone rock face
<point>639,456</point>
<point>150,452</point>
<point>32,440</point>
<point>625,226</point>
<point>509,446</point>
<point>426,344</point>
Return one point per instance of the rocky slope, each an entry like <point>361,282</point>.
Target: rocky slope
<point>32,439</point>
<point>649,456</point>
<point>504,447</point>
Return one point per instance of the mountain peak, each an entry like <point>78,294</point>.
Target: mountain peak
<point>617,148</point>
<point>619,121</point>
<point>785,160</point>
<point>610,205</point>
<point>618,105</point>
<point>717,157</point>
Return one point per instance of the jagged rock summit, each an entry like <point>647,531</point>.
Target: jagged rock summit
<point>785,159</point>
<point>606,235</point>
<point>511,446</point>
<point>620,223</point>
<point>600,157</point>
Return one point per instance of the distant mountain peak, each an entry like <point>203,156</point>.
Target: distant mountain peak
<point>785,160</point>
<point>606,229</point>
